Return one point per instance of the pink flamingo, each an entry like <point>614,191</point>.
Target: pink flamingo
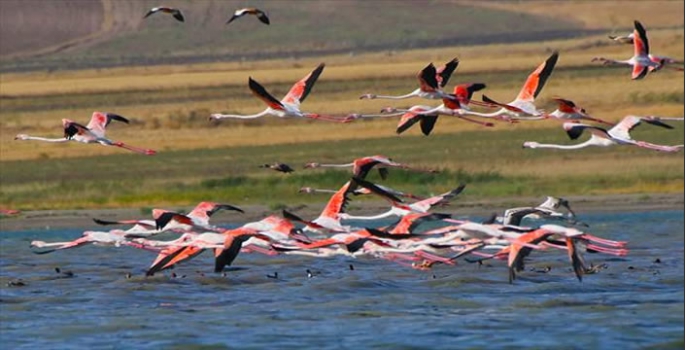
<point>431,82</point>
<point>289,106</point>
<point>94,132</point>
<point>568,110</point>
<point>524,102</point>
<point>641,62</point>
<point>362,166</point>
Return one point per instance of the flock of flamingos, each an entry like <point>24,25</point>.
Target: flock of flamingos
<point>420,237</point>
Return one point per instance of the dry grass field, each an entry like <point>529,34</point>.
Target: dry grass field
<point>169,106</point>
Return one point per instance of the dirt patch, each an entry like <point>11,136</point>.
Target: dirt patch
<point>82,219</point>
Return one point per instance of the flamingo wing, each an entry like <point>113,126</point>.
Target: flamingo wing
<point>178,15</point>
<point>259,91</point>
<point>99,122</point>
<point>231,250</point>
<point>338,201</point>
<point>639,71</point>
<point>428,123</point>
<point>298,93</point>
<point>427,79</point>
<point>464,92</point>
<point>444,73</point>
<point>407,121</point>
<point>152,10</point>
<point>640,41</point>
<point>172,256</point>
<point>574,130</point>
<point>566,106</point>
<point>536,80</point>
<point>72,129</point>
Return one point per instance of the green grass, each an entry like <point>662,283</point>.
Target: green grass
<point>490,163</point>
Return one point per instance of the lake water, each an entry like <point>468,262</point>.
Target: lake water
<point>636,302</point>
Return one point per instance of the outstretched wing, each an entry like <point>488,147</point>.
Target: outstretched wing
<point>298,93</point>
<point>640,41</point>
<point>259,91</point>
<point>444,73</point>
<point>427,79</point>
<point>536,80</point>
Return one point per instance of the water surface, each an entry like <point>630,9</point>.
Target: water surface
<point>636,302</point>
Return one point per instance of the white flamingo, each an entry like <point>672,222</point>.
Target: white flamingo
<point>617,135</point>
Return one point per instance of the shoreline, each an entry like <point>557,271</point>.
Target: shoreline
<point>82,218</point>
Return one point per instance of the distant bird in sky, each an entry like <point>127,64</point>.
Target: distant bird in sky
<point>641,62</point>
<point>94,132</point>
<point>261,15</point>
<point>623,39</point>
<point>282,167</point>
<point>173,11</point>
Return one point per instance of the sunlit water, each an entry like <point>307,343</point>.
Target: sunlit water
<point>636,302</point>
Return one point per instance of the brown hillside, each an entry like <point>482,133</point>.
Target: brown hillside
<point>27,25</point>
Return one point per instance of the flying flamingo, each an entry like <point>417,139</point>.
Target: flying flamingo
<point>427,116</point>
<point>94,132</point>
<point>261,15</point>
<point>640,61</point>
<point>524,102</point>
<point>431,82</point>
<point>329,218</point>
<point>400,209</point>
<point>363,190</point>
<point>568,110</point>
<point>662,60</point>
<point>113,238</point>
<point>617,135</point>
<point>289,106</point>
<point>362,166</point>
<point>547,210</point>
<point>173,11</point>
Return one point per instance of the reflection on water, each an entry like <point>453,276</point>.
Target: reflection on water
<point>637,301</point>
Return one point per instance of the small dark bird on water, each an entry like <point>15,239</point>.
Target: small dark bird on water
<point>275,275</point>
<point>17,283</point>
<point>284,168</point>
<point>64,274</point>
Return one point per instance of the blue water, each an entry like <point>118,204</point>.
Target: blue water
<point>636,302</point>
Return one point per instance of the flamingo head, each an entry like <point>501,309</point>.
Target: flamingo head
<point>215,116</point>
<point>388,110</point>
<point>367,96</point>
<point>37,244</point>
<point>531,144</point>
<point>306,190</point>
<point>21,137</point>
<point>311,165</point>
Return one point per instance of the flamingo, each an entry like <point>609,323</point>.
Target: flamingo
<point>431,82</point>
<point>289,106</point>
<point>261,15</point>
<point>617,135</point>
<point>547,210</point>
<point>113,237</point>
<point>362,166</point>
<point>524,102</point>
<point>280,167</point>
<point>662,60</point>
<point>398,209</point>
<point>568,110</point>
<point>363,190</point>
<point>198,216</point>
<point>172,11</point>
<point>94,132</point>
<point>426,116</point>
<point>9,212</point>
<point>329,218</point>
<point>640,61</point>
